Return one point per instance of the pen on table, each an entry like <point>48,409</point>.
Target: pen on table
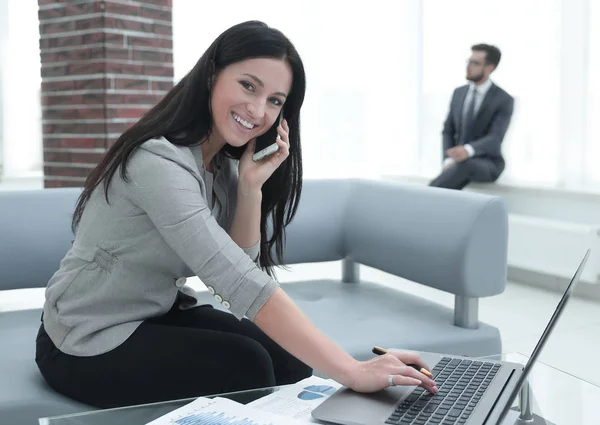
<point>380,351</point>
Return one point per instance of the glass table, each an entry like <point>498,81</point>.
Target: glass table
<point>556,396</point>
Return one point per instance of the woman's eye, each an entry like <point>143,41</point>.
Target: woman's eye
<point>276,101</point>
<point>247,85</point>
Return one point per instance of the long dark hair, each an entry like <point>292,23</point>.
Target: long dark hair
<point>185,110</point>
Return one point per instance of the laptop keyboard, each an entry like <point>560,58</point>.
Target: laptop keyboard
<point>462,383</point>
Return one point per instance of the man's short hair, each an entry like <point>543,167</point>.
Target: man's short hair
<point>492,53</point>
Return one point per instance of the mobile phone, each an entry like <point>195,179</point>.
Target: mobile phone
<point>266,144</point>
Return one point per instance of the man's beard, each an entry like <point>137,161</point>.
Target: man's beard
<point>476,78</point>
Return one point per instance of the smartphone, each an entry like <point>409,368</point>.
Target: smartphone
<point>266,144</point>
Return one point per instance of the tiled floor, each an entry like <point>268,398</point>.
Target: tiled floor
<point>520,313</point>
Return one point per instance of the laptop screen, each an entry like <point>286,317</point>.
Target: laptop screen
<point>540,345</point>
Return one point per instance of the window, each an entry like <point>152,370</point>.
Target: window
<point>379,81</point>
<point>592,157</point>
<point>529,70</point>
<point>359,117</point>
<point>20,93</point>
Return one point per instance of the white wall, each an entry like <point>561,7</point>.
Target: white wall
<point>3,55</point>
<point>592,153</point>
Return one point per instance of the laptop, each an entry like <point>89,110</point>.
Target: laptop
<point>471,391</point>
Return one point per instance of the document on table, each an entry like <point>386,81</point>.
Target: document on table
<point>222,411</point>
<point>290,405</point>
<point>297,401</point>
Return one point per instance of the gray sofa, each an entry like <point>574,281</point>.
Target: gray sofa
<point>449,240</point>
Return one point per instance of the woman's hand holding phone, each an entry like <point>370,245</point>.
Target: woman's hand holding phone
<point>253,174</point>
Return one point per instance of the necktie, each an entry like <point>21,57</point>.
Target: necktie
<point>469,118</point>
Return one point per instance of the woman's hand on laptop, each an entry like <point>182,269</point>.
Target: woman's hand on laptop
<point>373,375</point>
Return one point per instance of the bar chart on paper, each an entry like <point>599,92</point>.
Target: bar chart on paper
<point>217,418</point>
<point>219,411</point>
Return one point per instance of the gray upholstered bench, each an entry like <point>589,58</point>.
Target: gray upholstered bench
<point>449,240</point>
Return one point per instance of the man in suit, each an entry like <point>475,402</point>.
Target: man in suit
<point>479,116</point>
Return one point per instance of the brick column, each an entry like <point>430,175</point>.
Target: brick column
<point>104,63</point>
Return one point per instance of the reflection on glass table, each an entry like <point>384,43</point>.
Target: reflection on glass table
<point>142,414</point>
<point>555,397</point>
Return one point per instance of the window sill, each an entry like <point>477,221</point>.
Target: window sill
<point>24,181</point>
<point>508,185</point>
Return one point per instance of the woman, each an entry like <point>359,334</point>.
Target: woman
<point>178,195</point>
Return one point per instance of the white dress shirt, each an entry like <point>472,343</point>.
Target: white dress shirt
<point>479,92</point>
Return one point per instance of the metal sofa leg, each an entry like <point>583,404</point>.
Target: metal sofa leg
<point>350,271</point>
<point>466,312</point>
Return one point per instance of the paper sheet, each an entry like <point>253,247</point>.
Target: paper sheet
<point>298,400</point>
<point>222,411</point>
<point>291,405</point>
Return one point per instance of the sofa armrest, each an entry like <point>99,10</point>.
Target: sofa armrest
<point>450,240</point>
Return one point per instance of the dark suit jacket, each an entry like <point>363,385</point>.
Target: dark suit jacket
<point>490,124</point>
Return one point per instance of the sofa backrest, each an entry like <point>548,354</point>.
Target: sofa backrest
<point>35,230</point>
<point>450,240</point>
<point>35,234</point>
<point>446,239</point>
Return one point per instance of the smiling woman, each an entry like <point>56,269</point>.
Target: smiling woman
<point>177,195</point>
<point>199,111</point>
<point>243,105</point>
